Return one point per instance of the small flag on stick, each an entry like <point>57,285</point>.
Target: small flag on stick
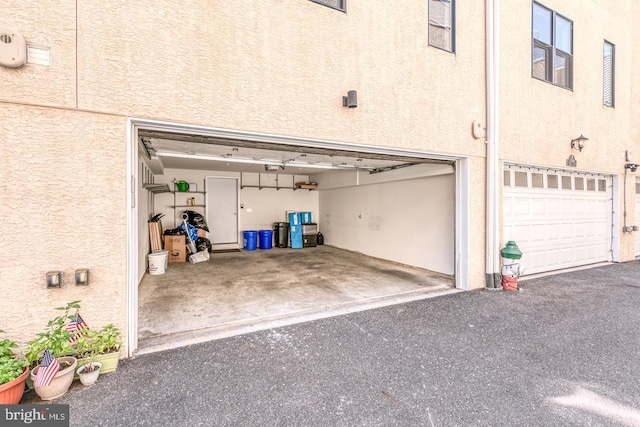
<point>75,327</point>
<point>48,369</point>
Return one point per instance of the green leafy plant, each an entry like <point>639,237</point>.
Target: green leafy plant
<point>11,367</point>
<point>94,342</point>
<point>108,339</point>
<point>55,338</point>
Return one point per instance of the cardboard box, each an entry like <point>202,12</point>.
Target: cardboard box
<point>307,185</point>
<point>176,247</point>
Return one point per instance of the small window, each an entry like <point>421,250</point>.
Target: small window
<point>608,74</point>
<point>552,51</point>
<point>506,178</point>
<point>566,183</point>
<point>442,24</point>
<point>591,184</point>
<point>637,187</point>
<point>521,179</point>
<point>579,183</point>
<point>552,181</point>
<point>537,180</point>
<point>602,185</point>
<point>334,4</point>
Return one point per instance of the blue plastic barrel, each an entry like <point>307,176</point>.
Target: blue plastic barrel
<point>250,240</point>
<point>266,239</point>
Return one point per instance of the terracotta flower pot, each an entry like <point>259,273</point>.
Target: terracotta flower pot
<point>60,383</point>
<point>88,378</point>
<point>11,392</point>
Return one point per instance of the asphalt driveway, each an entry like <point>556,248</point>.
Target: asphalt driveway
<point>563,351</point>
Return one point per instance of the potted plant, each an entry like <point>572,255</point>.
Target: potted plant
<point>56,338</point>
<point>100,346</point>
<point>89,369</point>
<point>13,373</point>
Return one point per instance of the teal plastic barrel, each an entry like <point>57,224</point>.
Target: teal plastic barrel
<point>266,239</point>
<point>250,240</point>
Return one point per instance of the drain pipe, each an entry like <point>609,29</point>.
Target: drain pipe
<point>492,76</point>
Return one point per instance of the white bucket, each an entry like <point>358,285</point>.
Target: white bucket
<point>158,262</point>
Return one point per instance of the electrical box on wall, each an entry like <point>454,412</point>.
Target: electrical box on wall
<point>13,48</point>
<point>478,129</point>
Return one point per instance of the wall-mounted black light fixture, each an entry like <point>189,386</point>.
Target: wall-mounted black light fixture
<point>631,166</point>
<point>578,143</point>
<point>351,100</point>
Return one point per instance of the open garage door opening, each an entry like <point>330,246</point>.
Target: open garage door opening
<point>388,222</point>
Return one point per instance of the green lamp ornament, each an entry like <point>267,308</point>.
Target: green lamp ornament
<point>511,269</point>
<point>511,251</point>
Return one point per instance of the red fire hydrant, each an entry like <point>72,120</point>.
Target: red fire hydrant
<point>511,270</point>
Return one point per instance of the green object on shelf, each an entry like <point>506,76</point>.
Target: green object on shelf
<point>182,185</point>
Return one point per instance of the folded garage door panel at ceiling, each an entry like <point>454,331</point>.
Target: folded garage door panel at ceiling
<point>558,219</point>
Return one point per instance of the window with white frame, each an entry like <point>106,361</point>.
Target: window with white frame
<point>608,76</point>
<point>552,51</point>
<point>334,4</point>
<point>442,24</point>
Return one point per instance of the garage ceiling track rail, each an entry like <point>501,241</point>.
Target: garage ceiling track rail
<point>201,139</point>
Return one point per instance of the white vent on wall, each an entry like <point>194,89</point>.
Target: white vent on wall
<point>13,48</point>
<point>38,55</point>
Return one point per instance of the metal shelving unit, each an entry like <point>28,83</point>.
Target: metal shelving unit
<point>176,206</point>
<point>292,186</point>
<point>157,188</point>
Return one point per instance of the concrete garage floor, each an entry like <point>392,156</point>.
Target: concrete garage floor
<point>239,292</point>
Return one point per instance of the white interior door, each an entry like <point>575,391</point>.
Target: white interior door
<point>222,211</point>
<point>559,219</point>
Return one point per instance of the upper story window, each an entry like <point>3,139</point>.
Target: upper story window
<point>608,77</point>
<point>552,56</point>
<point>334,4</point>
<point>442,15</point>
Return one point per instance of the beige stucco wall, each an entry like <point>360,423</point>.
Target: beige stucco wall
<point>269,66</point>
<point>63,203</point>
<point>283,67</point>
<point>538,119</point>
<point>635,85</point>
<point>48,25</point>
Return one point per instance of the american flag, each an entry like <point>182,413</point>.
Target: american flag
<point>48,369</point>
<point>75,326</point>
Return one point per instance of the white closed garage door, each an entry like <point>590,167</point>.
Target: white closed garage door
<point>559,219</point>
<point>637,216</point>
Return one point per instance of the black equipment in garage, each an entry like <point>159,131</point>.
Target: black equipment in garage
<point>310,235</point>
<point>281,234</point>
